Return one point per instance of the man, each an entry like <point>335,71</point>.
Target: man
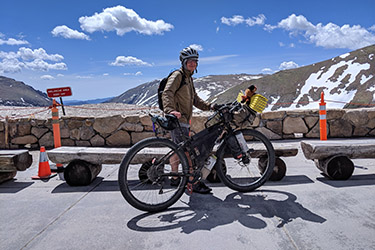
<point>179,97</point>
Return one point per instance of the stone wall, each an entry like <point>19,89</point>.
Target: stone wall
<point>123,131</point>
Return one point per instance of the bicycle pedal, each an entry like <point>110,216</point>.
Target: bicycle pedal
<point>189,188</point>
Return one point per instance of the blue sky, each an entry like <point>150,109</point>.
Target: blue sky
<point>103,48</point>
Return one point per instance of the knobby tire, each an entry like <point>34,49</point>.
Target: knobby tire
<point>246,178</point>
<point>142,193</point>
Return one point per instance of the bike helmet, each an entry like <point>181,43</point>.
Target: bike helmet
<point>187,53</point>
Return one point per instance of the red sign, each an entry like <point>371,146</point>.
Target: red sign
<point>59,92</point>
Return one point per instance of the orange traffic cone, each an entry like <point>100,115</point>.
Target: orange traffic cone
<point>44,171</point>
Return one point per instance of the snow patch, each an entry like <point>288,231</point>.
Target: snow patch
<point>146,100</point>
<point>371,57</point>
<point>323,82</point>
<point>248,78</point>
<point>345,55</point>
<point>22,99</point>
<point>204,94</point>
<point>365,79</point>
<point>143,97</point>
<point>372,89</point>
<point>272,100</point>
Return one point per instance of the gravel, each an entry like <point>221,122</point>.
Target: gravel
<point>87,110</point>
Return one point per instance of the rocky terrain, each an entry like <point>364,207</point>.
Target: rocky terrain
<point>347,80</point>
<point>87,110</point>
<point>16,93</point>
<point>206,87</point>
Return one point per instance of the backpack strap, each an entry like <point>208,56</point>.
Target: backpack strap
<point>183,79</point>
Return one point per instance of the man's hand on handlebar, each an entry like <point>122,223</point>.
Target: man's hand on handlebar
<point>176,113</point>
<point>216,106</point>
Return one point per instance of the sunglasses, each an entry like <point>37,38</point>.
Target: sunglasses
<point>192,60</point>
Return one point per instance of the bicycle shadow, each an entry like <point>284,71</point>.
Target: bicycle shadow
<point>207,212</point>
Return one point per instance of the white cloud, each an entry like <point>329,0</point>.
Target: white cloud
<point>122,20</point>
<point>105,74</point>
<point>372,28</point>
<point>68,33</point>
<point>233,21</point>
<point>266,70</point>
<point>26,58</point>
<point>60,75</point>
<point>328,36</point>
<point>47,77</point>
<point>11,65</point>
<point>196,47</point>
<point>84,77</point>
<point>237,19</point>
<point>129,61</point>
<point>39,64</point>
<point>139,73</point>
<point>288,65</point>
<point>30,54</point>
<point>215,59</point>
<point>12,41</point>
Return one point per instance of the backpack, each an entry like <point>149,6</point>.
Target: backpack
<point>162,84</point>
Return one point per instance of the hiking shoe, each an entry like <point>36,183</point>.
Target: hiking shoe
<point>201,188</point>
<point>175,181</point>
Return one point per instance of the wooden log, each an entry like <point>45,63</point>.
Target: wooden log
<point>15,159</point>
<point>100,156</point>
<point>279,170</point>
<point>353,148</point>
<point>81,173</point>
<point>7,163</point>
<point>7,176</point>
<point>93,155</point>
<point>338,167</point>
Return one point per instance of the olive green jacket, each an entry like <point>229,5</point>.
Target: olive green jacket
<point>182,99</point>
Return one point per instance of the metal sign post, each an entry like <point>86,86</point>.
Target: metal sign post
<point>53,93</point>
<point>59,92</point>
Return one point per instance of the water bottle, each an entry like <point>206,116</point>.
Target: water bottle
<point>208,165</point>
<point>241,140</point>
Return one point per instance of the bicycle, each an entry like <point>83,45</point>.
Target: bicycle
<point>145,171</point>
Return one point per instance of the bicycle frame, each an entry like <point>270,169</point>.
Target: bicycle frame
<point>223,129</point>
<point>148,185</point>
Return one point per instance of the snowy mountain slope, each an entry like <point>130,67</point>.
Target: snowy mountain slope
<point>347,81</point>
<point>16,93</point>
<point>146,94</point>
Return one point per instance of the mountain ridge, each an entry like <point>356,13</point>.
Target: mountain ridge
<point>205,87</point>
<point>17,93</point>
<point>347,80</point>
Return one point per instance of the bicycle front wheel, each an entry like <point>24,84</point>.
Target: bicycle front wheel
<point>146,171</point>
<point>246,177</point>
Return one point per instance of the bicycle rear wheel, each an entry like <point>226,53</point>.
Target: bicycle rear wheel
<point>246,177</point>
<point>145,175</point>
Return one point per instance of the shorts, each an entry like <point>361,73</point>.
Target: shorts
<point>180,134</point>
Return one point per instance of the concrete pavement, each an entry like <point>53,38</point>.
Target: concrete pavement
<point>303,211</point>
